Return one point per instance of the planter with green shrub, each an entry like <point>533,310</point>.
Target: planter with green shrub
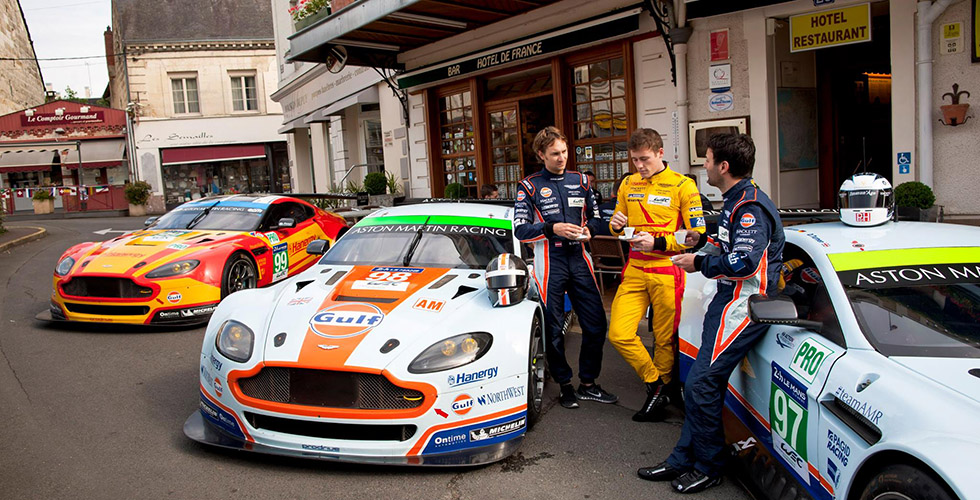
<point>43,201</point>
<point>916,201</point>
<point>455,191</point>
<point>138,195</point>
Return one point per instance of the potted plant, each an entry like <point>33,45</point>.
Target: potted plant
<point>915,201</point>
<point>137,194</point>
<point>455,191</point>
<point>43,201</point>
<point>394,186</point>
<point>307,12</point>
<point>376,184</point>
<point>955,113</point>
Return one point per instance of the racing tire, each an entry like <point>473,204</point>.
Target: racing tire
<point>904,482</point>
<point>239,274</point>
<point>536,376</point>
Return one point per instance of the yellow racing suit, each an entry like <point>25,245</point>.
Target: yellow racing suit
<point>660,205</point>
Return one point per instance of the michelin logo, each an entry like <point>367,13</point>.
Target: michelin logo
<point>469,378</point>
<point>497,430</point>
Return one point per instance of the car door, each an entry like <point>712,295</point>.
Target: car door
<point>293,257</point>
<point>781,380</point>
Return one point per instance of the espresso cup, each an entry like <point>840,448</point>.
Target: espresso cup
<point>628,231</point>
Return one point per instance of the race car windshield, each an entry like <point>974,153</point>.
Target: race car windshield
<point>429,243</point>
<point>936,320</point>
<point>211,218</point>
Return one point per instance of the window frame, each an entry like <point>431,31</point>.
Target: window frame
<point>242,77</point>
<point>183,78</point>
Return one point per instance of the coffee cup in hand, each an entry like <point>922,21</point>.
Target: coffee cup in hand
<point>628,232</point>
<point>681,237</point>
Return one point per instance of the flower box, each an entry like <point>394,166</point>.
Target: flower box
<point>310,20</point>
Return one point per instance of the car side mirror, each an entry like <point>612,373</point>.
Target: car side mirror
<point>286,222</point>
<point>150,220</point>
<point>318,247</point>
<point>778,311</point>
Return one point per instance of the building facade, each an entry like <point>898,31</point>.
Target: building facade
<point>21,85</point>
<point>196,85</point>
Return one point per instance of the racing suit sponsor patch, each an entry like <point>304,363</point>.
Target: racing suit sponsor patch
<point>576,202</point>
<point>662,201</point>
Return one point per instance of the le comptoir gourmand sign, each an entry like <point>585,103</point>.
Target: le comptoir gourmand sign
<point>50,119</point>
<point>828,28</point>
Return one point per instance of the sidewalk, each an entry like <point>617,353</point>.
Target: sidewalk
<point>17,235</point>
<point>60,213</point>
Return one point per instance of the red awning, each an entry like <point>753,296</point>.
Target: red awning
<point>179,156</point>
<point>97,154</point>
<point>26,160</point>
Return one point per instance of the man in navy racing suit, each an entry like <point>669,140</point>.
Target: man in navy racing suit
<point>745,258</point>
<point>555,212</point>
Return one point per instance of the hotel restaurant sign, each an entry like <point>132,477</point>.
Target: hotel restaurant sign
<point>67,118</point>
<point>828,28</point>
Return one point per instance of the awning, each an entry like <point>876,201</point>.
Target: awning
<point>375,31</point>
<point>293,125</point>
<point>366,96</point>
<point>97,154</point>
<point>204,154</point>
<point>26,160</point>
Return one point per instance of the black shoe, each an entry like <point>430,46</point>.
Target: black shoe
<point>694,482</point>
<point>594,392</point>
<point>653,408</point>
<point>567,397</point>
<point>660,472</point>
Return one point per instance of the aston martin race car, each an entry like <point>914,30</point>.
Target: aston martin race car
<point>867,384</point>
<point>416,339</point>
<point>177,269</point>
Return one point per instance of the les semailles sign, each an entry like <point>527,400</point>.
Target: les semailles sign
<point>47,119</point>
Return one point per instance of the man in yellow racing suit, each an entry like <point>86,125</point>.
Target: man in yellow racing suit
<point>655,202</point>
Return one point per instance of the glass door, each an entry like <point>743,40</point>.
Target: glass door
<point>505,150</point>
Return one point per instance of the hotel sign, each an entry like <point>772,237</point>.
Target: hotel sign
<point>69,117</point>
<point>548,43</point>
<point>829,28</point>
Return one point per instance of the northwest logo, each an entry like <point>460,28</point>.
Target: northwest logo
<point>346,320</point>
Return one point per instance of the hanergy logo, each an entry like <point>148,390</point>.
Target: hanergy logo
<point>346,320</point>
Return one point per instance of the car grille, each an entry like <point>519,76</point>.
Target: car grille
<point>329,389</point>
<point>107,310</point>
<point>110,288</point>
<point>329,430</point>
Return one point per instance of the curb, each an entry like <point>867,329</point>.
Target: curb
<point>40,233</point>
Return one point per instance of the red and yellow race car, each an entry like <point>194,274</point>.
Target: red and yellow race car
<point>177,269</point>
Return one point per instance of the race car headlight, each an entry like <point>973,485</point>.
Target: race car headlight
<point>235,341</point>
<point>452,353</point>
<point>64,266</point>
<point>174,269</point>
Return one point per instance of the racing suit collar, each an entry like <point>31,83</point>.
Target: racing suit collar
<point>737,188</point>
<point>654,176</point>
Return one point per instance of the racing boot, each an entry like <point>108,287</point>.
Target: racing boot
<point>653,408</point>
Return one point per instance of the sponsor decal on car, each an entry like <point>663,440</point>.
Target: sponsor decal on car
<point>808,359</point>
<point>471,377</point>
<point>346,320</point>
<point>410,270</point>
<point>280,261</point>
<point>838,447</point>
<point>320,447</point>
<point>785,340</point>
<point>485,433</point>
<point>178,246</point>
<point>220,417</point>
<point>301,245</point>
<point>272,237</point>
<point>833,472</point>
<point>462,404</point>
<point>166,236</point>
<point>863,407</point>
<point>429,305</point>
<point>818,240</point>
<point>478,434</point>
<point>218,388</point>
<point>387,286</point>
<point>453,439</point>
<point>788,420</point>
<point>492,398</point>
<point>173,297</point>
<point>216,363</point>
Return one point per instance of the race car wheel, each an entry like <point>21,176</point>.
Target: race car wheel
<point>239,274</point>
<point>535,373</point>
<point>904,482</point>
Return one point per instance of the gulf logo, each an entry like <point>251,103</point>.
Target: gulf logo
<point>174,297</point>
<point>810,275</point>
<point>462,404</point>
<point>546,192</point>
<point>747,220</point>
<point>342,321</point>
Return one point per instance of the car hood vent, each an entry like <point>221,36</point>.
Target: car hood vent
<point>302,284</point>
<point>463,290</point>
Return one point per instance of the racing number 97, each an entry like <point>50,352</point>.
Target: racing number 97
<point>788,420</point>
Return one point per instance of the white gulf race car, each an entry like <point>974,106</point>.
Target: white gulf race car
<point>867,384</point>
<point>396,347</point>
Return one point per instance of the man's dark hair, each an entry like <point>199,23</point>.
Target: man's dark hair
<point>487,190</point>
<point>645,138</point>
<point>546,137</point>
<point>737,149</point>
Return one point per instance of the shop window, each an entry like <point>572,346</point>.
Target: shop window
<point>458,141</point>
<point>505,151</point>
<point>601,128</point>
<point>374,147</point>
<point>185,95</point>
<point>243,93</point>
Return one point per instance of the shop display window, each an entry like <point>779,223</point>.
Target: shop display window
<point>458,141</point>
<point>505,151</point>
<point>601,128</point>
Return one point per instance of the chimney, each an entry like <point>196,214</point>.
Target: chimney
<point>110,57</point>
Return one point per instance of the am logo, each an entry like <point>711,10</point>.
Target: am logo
<point>429,305</point>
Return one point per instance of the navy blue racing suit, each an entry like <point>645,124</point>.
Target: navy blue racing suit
<point>562,265</point>
<point>750,241</point>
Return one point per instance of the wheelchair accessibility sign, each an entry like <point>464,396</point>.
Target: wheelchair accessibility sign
<point>904,162</point>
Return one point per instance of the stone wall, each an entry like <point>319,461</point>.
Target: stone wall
<point>20,81</point>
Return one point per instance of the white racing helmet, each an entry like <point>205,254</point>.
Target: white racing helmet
<point>866,199</point>
<point>507,280</point>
